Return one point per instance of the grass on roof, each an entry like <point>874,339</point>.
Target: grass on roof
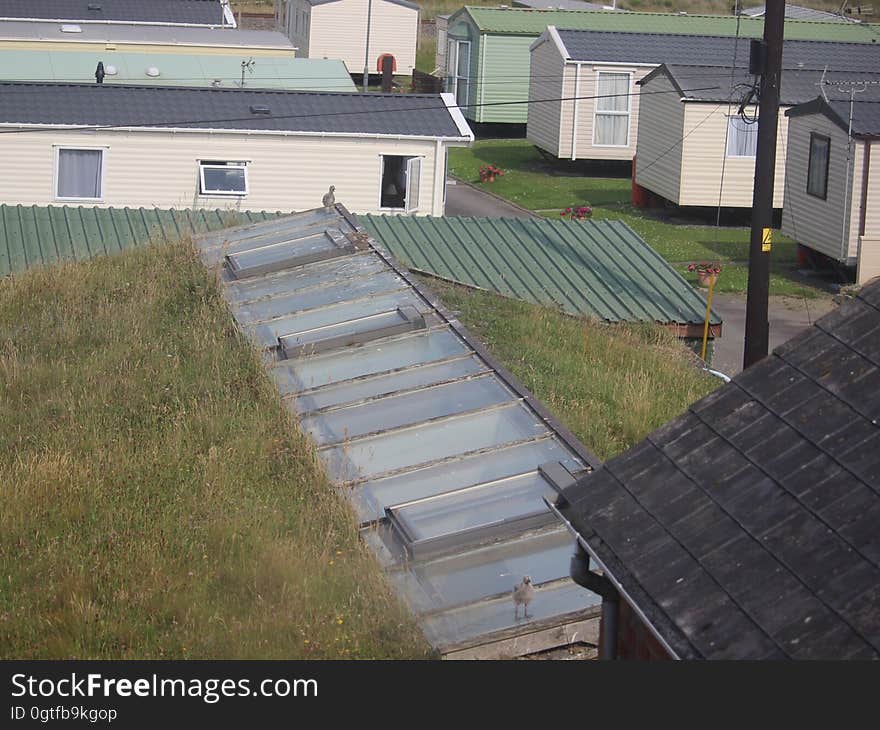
<point>610,384</point>
<point>155,499</point>
<point>547,187</point>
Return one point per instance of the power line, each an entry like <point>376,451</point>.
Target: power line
<point>371,112</point>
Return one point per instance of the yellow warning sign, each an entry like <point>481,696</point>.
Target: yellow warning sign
<point>766,239</point>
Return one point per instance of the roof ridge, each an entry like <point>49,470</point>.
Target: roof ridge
<point>657,34</point>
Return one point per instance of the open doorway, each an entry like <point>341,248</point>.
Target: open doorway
<point>401,183</point>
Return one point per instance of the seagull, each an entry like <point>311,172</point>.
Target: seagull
<point>329,199</point>
<point>523,594</point>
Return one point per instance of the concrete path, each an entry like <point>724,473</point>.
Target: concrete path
<point>464,199</point>
<point>788,316</point>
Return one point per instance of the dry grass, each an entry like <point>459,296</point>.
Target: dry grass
<point>611,385</point>
<point>155,499</point>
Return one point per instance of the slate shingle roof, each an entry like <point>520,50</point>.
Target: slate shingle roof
<point>865,111</point>
<point>590,45</point>
<point>749,527</point>
<point>203,12</point>
<point>716,84</point>
<point>205,108</point>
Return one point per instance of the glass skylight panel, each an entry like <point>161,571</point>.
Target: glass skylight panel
<point>453,580</point>
<point>304,277</point>
<point>351,332</point>
<point>458,626</point>
<point>432,441</point>
<point>485,511</point>
<point>406,409</point>
<point>264,229</point>
<point>322,296</point>
<point>415,377</point>
<point>371,498</point>
<point>320,370</point>
<point>272,257</point>
<point>269,332</point>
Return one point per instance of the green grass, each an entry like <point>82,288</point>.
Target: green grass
<point>426,55</point>
<point>611,385</point>
<point>548,187</point>
<point>156,500</point>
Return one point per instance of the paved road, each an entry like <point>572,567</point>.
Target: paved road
<point>464,199</point>
<point>788,317</point>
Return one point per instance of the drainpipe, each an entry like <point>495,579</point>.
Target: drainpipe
<point>599,584</point>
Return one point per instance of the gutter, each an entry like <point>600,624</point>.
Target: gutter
<point>247,132</point>
<point>164,24</point>
<point>613,581</point>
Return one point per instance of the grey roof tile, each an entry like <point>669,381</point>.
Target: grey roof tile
<point>202,12</point>
<point>712,51</point>
<point>773,532</point>
<point>205,108</point>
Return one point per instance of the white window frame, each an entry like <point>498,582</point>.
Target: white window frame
<point>207,165</point>
<point>410,159</point>
<point>627,113</point>
<point>731,117</point>
<point>452,70</point>
<point>57,153</point>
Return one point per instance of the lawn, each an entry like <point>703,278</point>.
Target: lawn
<point>156,501</point>
<point>610,384</point>
<point>547,188</point>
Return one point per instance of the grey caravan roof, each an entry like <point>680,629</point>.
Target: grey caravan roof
<point>865,110</point>
<point>716,84</point>
<point>144,34</point>
<point>436,446</point>
<point>259,110</point>
<point>403,3</point>
<point>690,50</point>
<point>188,12</point>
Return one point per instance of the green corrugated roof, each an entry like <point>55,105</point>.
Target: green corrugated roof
<point>178,69</point>
<point>36,236</point>
<point>522,21</point>
<point>600,269</point>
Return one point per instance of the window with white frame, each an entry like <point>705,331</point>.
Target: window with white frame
<point>611,118</point>
<point>223,178</point>
<point>458,65</point>
<point>742,137</point>
<point>79,174</point>
<point>400,185</point>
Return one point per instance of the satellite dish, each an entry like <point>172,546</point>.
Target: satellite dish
<point>110,70</point>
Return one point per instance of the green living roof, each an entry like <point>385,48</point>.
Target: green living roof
<point>178,69</point>
<point>599,269</point>
<point>40,236</point>
<point>527,21</point>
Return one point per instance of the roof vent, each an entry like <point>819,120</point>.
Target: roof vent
<point>68,28</point>
<point>260,109</point>
<point>95,7</point>
<point>152,71</point>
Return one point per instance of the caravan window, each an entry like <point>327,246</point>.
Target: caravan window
<point>79,174</point>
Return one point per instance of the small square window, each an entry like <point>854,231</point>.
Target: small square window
<point>817,167</point>
<point>742,138</point>
<point>223,178</point>
<point>79,174</point>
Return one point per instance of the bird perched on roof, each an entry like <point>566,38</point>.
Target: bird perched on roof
<point>522,596</point>
<point>329,199</point>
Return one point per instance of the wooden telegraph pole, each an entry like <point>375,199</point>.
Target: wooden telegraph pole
<point>768,57</point>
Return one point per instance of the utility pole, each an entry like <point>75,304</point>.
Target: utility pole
<point>769,60</point>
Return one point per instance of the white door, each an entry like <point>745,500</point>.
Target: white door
<point>413,183</point>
